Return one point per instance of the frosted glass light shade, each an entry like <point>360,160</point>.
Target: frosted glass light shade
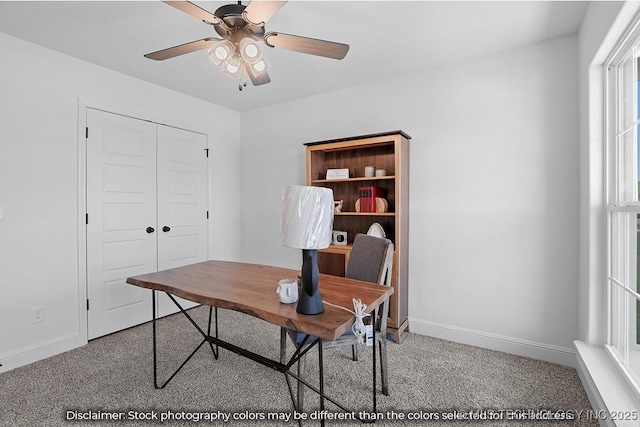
<point>221,51</point>
<point>233,67</point>
<point>258,68</point>
<point>307,217</point>
<point>250,50</point>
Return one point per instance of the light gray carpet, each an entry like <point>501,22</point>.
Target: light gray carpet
<point>428,376</point>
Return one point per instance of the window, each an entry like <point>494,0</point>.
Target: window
<point>623,211</point>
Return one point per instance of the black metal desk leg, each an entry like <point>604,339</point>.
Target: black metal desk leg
<point>155,357</point>
<point>216,349</point>
<point>375,318</point>
<point>283,344</point>
<point>321,369</point>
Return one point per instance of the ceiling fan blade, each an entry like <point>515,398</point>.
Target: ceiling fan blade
<point>306,45</point>
<point>181,49</point>
<point>261,79</point>
<point>259,12</point>
<point>195,11</point>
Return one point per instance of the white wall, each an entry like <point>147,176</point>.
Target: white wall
<point>39,102</point>
<point>494,190</point>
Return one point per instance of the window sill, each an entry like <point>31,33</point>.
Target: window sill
<point>609,394</point>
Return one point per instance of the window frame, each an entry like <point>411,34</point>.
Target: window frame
<point>628,48</point>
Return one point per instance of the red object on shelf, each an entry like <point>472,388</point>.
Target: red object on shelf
<point>368,198</point>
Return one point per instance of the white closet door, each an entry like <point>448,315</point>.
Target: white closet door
<point>182,203</point>
<point>121,229</point>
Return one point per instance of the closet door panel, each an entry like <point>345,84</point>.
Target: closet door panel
<point>182,202</point>
<point>121,205</point>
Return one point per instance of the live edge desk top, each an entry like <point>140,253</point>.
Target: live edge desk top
<point>251,289</point>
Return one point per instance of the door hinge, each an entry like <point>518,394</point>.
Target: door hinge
<point>207,214</point>
<point>86,218</point>
<point>87,305</point>
<point>206,150</point>
<point>86,132</point>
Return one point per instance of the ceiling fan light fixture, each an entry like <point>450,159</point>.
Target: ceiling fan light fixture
<point>221,51</point>
<point>233,67</point>
<point>258,67</point>
<point>250,50</point>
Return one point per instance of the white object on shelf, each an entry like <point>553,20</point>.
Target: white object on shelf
<point>338,173</point>
<point>376,230</point>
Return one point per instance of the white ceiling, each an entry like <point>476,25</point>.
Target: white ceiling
<point>387,38</point>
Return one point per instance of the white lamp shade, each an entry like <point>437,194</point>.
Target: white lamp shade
<point>307,217</point>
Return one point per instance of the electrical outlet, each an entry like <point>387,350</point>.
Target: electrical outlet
<point>37,314</point>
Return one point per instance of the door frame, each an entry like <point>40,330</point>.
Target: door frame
<point>83,105</point>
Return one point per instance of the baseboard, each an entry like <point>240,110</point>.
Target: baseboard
<point>535,350</point>
<point>40,351</point>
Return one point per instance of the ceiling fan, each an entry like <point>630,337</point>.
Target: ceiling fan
<point>240,27</point>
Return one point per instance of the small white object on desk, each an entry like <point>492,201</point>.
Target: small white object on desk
<point>288,291</point>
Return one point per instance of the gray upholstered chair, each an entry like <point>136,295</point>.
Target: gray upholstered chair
<point>371,260</point>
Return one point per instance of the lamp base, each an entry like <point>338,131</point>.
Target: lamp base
<point>310,300</point>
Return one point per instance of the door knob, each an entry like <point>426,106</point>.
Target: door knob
<point>150,229</point>
<point>166,228</point>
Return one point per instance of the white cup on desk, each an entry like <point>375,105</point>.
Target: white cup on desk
<point>288,291</point>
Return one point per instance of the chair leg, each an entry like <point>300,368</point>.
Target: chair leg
<point>384,370</point>
<point>301,368</point>
<point>354,352</point>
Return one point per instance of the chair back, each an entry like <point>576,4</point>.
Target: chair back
<point>371,260</point>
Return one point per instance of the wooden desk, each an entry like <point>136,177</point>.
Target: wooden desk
<point>251,289</point>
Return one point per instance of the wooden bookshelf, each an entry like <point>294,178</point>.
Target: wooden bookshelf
<point>388,151</point>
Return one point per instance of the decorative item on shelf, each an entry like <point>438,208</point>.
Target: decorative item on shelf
<point>337,174</point>
<point>368,198</point>
<point>381,205</point>
<point>307,221</point>
<point>337,206</point>
<point>376,230</point>
<point>369,171</point>
<point>381,172</point>
<point>339,238</point>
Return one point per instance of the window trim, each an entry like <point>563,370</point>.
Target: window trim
<point>612,107</point>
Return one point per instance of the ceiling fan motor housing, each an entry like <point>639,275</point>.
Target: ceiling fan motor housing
<point>231,14</point>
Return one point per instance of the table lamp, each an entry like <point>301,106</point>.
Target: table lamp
<point>307,221</point>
